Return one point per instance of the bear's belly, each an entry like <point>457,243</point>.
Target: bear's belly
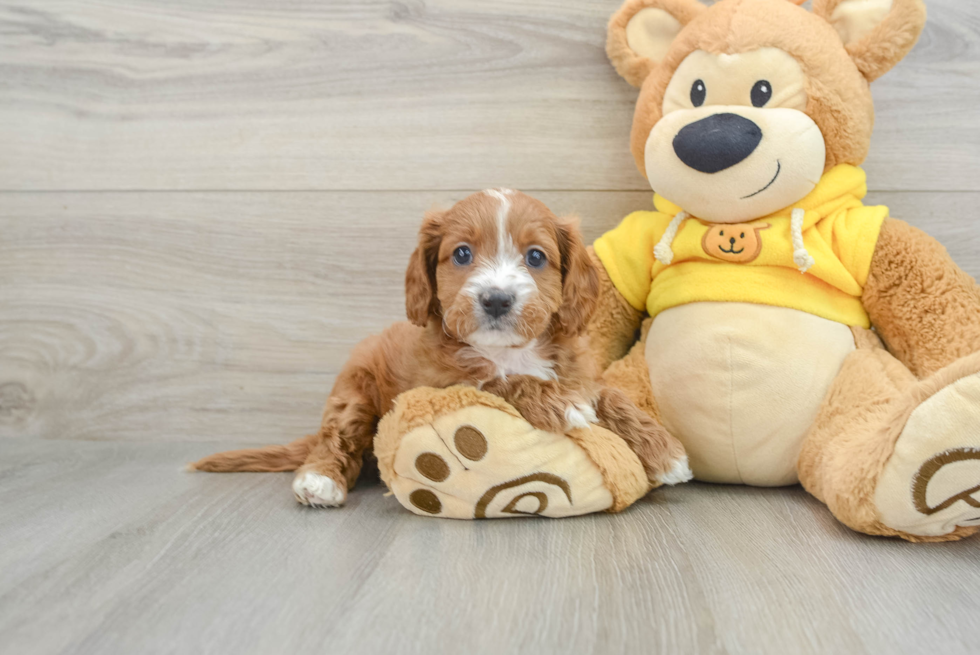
<point>740,385</point>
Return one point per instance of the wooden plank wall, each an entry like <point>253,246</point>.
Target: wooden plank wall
<point>205,203</point>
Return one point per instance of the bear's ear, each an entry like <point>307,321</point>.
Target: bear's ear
<point>876,33</point>
<point>641,31</point>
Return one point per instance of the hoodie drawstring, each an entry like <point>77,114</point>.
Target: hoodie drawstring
<point>663,252</point>
<point>801,257</point>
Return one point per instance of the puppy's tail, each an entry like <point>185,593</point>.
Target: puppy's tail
<point>287,457</point>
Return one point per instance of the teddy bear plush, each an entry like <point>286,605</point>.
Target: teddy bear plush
<point>781,329</point>
<point>794,334</point>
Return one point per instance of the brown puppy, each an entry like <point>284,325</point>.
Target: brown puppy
<point>499,292</point>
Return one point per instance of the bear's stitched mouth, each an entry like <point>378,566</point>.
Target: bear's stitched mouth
<point>731,251</point>
<point>779,167</point>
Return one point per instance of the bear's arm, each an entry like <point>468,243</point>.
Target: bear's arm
<point>613,328</point>
<point>924,307</point>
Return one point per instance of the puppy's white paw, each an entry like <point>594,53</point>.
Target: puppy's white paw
<point>678,473</point>
<point>318,490</point>
<point>579,415</point>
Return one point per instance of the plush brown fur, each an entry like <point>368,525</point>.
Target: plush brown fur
<point>419,407</point>
<point>626,482</point>
<point>879,50</point>
<point>926,310</point>
<point>433,351</point>
<point>614,323</point>
<point>923,305</point>
<point>632,67</point>
<point>839,96</point>
<point>632,375</point>
<point>856,429</point>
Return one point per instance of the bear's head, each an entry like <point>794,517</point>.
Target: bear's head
<point>746,104</point>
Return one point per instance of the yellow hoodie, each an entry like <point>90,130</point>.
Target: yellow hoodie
<point>822,273</point>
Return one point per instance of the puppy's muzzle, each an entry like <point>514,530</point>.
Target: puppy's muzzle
<point>496,303</point>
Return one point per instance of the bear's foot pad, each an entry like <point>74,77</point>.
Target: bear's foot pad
<point>931,484</point>
<point>460,453</point>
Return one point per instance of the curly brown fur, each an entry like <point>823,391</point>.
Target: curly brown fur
<point>543,403</point>
<point>657,449</point>
<point>449,342</point>
<point>275,458</point>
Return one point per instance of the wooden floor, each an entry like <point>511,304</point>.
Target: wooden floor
<point>205,203</point>
<point>108,547</point>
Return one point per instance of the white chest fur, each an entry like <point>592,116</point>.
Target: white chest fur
<point>524,360</point>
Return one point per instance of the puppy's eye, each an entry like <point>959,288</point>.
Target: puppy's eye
<point>761,93</point>
<point>698,92</point>
<point>535,258</point>
<point>462,256</point>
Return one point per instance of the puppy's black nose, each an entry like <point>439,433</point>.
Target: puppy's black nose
<point>717,142</point>
<point>497,303</point>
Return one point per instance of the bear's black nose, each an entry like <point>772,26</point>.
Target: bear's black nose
<point>717,142</point>
<point>732,241</point>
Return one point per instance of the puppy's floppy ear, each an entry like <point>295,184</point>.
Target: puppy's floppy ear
<point>421,301</point>
<point>579,280</point>
<point>641,31</point>
<point>876,33</point>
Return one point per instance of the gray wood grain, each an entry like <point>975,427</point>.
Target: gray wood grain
<point>226,316</point>
<point>446,94</point>
<point>204,204</point>
<point>111,548</point>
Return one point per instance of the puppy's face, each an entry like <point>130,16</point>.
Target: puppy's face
<point>499,269</point>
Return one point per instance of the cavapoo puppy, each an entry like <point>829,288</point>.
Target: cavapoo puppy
<point>498,292</point>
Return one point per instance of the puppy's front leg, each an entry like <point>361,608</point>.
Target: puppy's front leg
<point>545,404</point>
<point>662,455</point>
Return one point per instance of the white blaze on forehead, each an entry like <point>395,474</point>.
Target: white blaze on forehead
<point>503,210</point>
<point>505,270</point>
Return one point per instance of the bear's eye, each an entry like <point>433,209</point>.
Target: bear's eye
<point>698,91</point>
<point>761,93</point>
<point>462,256</point>
<point>722,233</point>
<point>742,235</point>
